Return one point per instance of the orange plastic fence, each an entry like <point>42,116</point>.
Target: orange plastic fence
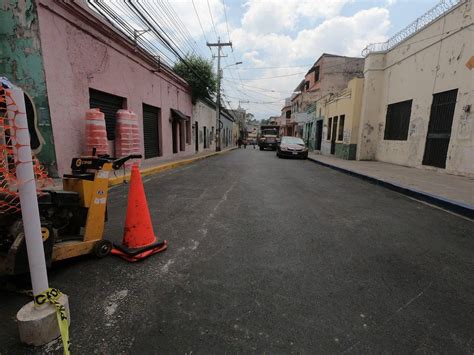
<point>9,200</point>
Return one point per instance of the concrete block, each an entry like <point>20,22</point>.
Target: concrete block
<point>39,325</point>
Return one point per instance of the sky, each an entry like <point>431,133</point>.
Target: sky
<point>279,40</point>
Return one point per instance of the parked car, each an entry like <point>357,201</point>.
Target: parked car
<point>292,147</point>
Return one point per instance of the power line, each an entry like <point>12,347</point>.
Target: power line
<point>212,18</point>
<point>165,18</point>
<point>273,77</point>
<point>181,24</point>
<point>287,67</point>
<point>132,33</point>
<point>200,25</point>
<point>226,22</point>
<point>174,23</point>
<point>256,92</point>
<point>262,89</point>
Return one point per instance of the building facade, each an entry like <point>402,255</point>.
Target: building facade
<point>328,75</point>
<point>418,96</point>
<point>69,59</point>
<point>341,121</point>
<point>287,124</point>
<point>204,122</point>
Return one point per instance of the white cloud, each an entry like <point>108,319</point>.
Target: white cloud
<point>344,35</point>
<point>279,33</point>
<point>273,16</point>
<point>188,16</point>
<point>338,35</point>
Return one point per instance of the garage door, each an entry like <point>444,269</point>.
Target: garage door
<point>108,104</point>
<point>151,131</point>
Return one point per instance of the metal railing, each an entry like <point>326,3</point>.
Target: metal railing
<point>430,16</point>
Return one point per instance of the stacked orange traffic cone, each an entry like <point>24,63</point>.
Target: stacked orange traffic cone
<point>139,240</point>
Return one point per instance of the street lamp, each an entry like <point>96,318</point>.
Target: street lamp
<point>218,102</point>
<point>230,65</point>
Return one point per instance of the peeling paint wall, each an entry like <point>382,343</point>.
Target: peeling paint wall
<point>22,63</point>
<point>431,61</point>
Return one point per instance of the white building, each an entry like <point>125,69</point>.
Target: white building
<point>418,93</point>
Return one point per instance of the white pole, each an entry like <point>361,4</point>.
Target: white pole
<point>27,192</point>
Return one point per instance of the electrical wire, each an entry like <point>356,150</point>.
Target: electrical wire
<point>212,18</point>
<point>273,77</point>
<point>200,25</point>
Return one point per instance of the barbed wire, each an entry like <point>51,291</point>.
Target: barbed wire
<point>430,16</point>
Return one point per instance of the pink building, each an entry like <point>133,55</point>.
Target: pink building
<point>87,64</point>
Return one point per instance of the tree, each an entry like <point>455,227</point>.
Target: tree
<point>197,71</point>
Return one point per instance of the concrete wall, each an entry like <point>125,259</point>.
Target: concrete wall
<point>21,62</point>
<point>347,102</point>
<point>337,71</point>
<point>81,52</point>
<point>205,116</point>
<point>431,61</point>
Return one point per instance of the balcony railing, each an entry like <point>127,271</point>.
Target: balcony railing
<point>432,15</point>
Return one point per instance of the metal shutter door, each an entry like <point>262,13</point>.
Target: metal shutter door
<point>151,136</point>
<point>109,105</point>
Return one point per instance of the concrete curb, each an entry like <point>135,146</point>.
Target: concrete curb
<point>166,166</point>
<point>450,205</point>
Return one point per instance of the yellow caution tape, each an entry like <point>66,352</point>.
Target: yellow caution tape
<point>52,295</point>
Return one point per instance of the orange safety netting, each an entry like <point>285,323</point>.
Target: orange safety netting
<point>9,199</point>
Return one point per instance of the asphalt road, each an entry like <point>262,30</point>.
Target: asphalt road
<point>276,256</point>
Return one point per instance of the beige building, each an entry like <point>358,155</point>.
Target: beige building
<point>418,94</point>
<point>328,75</point>
<point>341,120</point>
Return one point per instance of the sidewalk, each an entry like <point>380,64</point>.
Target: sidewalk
<point>452,192</point>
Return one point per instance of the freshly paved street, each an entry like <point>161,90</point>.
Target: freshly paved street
<point>276,256</point>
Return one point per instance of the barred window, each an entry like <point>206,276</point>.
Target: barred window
<point>328,134</point>
<point>340,135</point>
<point>397,121</point>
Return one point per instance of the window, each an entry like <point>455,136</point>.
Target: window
<point>288,114</point>
<point>316,74</point>
<point>151,131</point>
<point>182,135</point>
<point>188,132</point>
<point>292,140</point>
<point>328,134</point>
<point>306,85</point>
<point>174,135</point>
<point>340,134</point>
<point>397,121</point>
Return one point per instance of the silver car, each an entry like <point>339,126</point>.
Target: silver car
<point>293,147</point>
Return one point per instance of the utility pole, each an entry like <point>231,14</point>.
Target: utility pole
<point>219,45</point>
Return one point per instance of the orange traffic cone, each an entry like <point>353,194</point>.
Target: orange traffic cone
<point>139,240</point>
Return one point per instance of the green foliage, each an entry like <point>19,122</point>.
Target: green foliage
<point>197,71</point>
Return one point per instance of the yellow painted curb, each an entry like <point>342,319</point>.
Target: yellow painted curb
<point>166,166</point>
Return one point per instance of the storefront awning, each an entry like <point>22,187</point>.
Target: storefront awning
<point>177,115</point>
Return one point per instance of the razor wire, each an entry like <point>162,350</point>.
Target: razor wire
<point>430,16</point>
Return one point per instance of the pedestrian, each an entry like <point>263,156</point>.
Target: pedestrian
<point>239,142</point>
